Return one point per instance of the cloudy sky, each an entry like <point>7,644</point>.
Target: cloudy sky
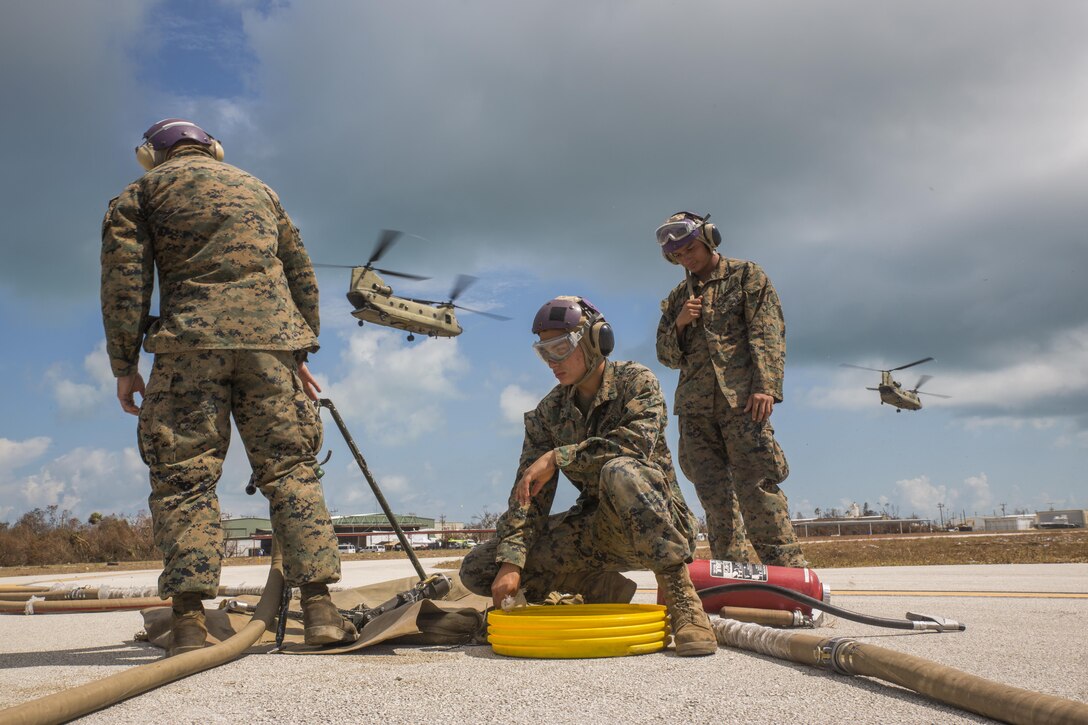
<point>912,177</point>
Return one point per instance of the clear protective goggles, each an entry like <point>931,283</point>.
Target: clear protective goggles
<point>558,349</point>
<point>673,235</point>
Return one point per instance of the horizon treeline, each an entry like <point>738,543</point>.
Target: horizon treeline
<point>52,536</point>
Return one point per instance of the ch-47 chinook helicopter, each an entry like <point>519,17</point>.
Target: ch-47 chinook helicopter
<point>375,302</point>
<point>892,393</point>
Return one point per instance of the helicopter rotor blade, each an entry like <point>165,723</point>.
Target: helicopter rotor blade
<point>447,303</point>
<point>403,275</point>
<point>877,389</point>
<point>337,266</point>
<point>859,367</point>
<point>909,365</point>
<point>922,381</point>
<point>427,302</point>
<point>935,395</point>
<point>386,240</point>
<point>492,315</point>
<point>462,283</point>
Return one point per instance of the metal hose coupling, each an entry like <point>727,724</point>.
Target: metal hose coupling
<point>833,654</point>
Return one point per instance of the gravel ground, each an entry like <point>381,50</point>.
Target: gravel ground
<point>1032,642</point>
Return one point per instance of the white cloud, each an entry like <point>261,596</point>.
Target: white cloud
<point>978,488</point>
<point>922,496</point>
<point>974,423</point>
<point>1058,369</point>
<point>394,387</point>
<point>1023,392</point>
<point>115,481</point>
<point>80,398</point>
<point>844,391</point>
<point>515,402</point>
<point>76,399</point>
<point>14,454</point>
<point>1079,439</point>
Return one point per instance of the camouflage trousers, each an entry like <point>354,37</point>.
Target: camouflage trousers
<point>634,523</point>
<point>736,465</point>
<point>184,432</point>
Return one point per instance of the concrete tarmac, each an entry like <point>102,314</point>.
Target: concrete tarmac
<point>1027,626</point>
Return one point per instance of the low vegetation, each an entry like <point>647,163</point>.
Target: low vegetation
<point>50,536</point>
<point>51,540</point>
<point>1054,546</point>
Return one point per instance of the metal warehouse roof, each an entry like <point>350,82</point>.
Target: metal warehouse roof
<point>380,520</point>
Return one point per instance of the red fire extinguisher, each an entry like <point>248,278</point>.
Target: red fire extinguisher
<point>706,573</point>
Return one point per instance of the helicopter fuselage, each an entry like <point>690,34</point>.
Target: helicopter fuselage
<point>375,302</point>
<point>892,393</point>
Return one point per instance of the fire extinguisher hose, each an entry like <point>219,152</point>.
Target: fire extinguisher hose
<point>942,683</point>
<point>912,622</point>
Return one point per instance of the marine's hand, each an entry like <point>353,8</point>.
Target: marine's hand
<point>536,475</point>
<point>506,583</point>
<point>760,405</point>
<point>689,313</point>
<point>127,387</point>
<point>309,383</point>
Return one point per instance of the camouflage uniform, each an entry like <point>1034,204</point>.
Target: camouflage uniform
<point>736,348</point>
<point>630,513</point>
<point>238,307</point>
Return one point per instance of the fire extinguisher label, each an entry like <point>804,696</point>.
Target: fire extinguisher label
<point>736,570</point>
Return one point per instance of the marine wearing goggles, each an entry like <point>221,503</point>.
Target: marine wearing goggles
<point>682,229</point>
<point>566,323</point>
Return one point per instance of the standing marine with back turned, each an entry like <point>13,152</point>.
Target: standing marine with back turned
<point>238,313</point>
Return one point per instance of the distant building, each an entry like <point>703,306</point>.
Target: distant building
<point>1012,522</point>
<point>861,525</point>
<point>1066,519</point>
<point>364,530</point>
<point>246,536</point>
<point>253,536</point>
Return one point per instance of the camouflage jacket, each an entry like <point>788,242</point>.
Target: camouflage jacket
<point>738,346</point>
<point>626,418</point>
<point>232,269</point>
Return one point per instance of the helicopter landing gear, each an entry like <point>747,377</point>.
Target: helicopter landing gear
<point>360,323</point>
<point>411,337</point>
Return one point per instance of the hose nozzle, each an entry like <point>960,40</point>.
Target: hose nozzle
<point>934,623</point>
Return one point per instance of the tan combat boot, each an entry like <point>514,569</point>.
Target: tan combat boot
<point>606,587</point>
<point>323,622</point>
<point>691,631</point>
<point>187,627</point>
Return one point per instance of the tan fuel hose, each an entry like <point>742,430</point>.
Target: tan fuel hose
<point>73,606</point>
<point>769,617</point>
<point>97,599</point>
<point>5,588</point>
<point>72,703</point>
<point>939,682</point>
<point>77,593</point>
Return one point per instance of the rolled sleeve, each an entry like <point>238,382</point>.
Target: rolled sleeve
<point>518,528</point>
